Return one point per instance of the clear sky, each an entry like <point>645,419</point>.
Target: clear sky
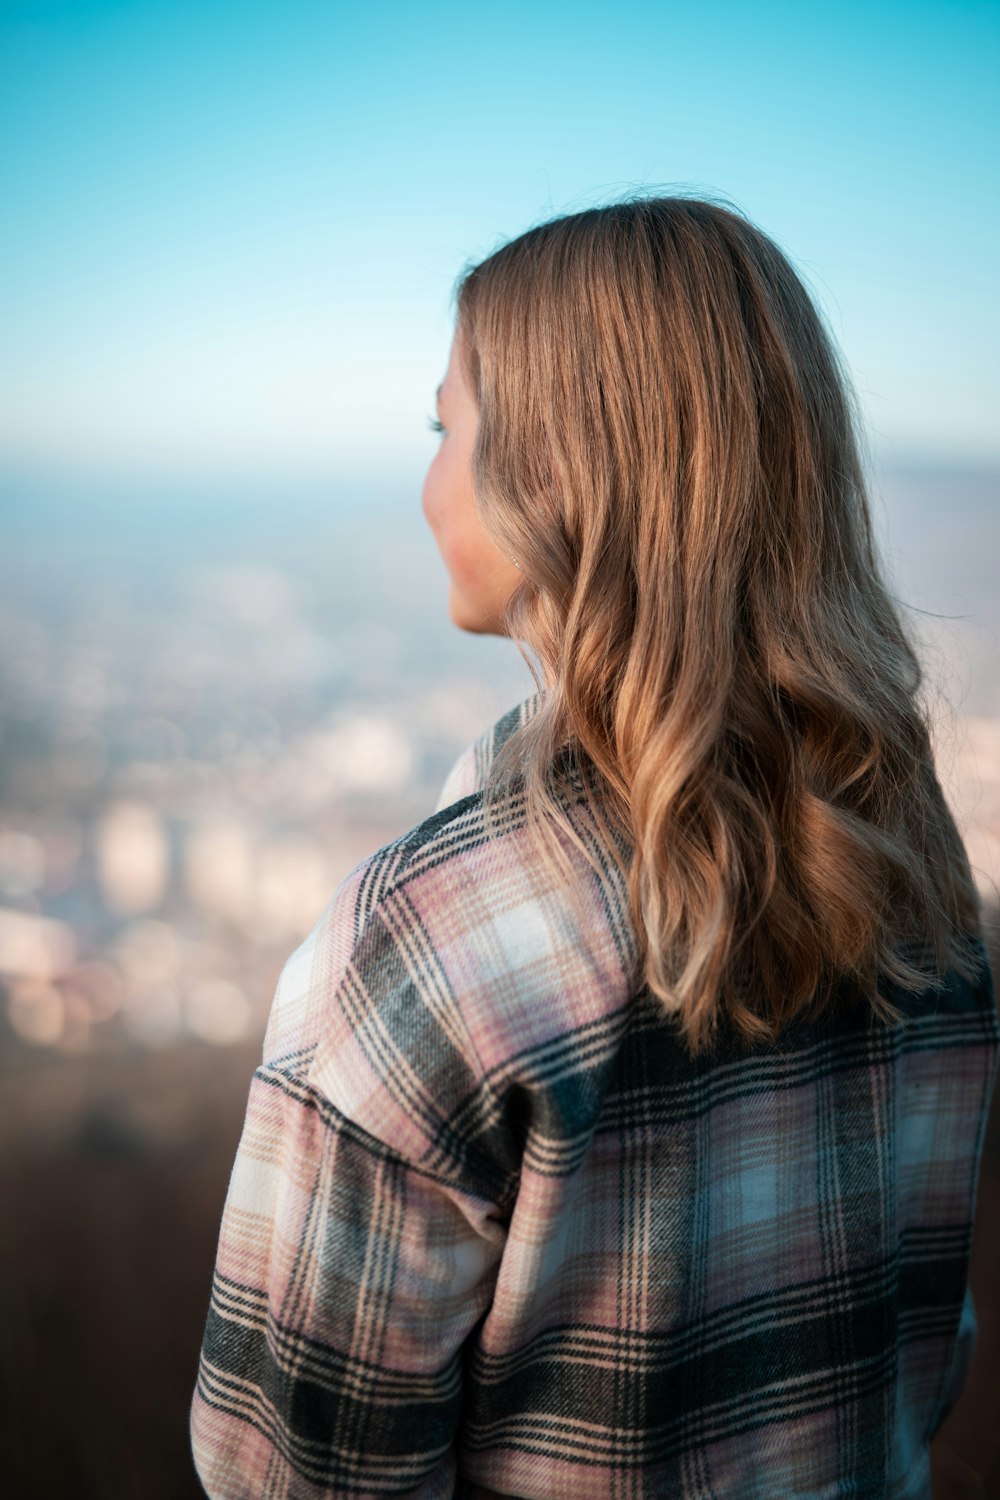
<point>231,229</point>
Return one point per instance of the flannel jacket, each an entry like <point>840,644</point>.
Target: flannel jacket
<point>491,1232</point>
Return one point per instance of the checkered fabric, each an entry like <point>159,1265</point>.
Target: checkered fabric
<point>490,1231</point>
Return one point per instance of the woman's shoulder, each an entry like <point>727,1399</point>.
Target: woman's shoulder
<point>440,956</point>
<point>468,774</point>
<point>438,836</point>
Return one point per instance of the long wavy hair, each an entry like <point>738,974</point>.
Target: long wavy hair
<point>670,447</point>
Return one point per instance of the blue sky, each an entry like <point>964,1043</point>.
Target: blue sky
<point>231,230</point>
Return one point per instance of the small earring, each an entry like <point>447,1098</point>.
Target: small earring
<point>515,562</point>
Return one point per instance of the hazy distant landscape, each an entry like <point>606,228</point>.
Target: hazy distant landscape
<point>212,707</point>
<point>210,717</point>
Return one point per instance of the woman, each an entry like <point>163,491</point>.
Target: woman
<point>618,1127</point>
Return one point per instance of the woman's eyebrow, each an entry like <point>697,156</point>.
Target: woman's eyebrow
<point>437,396</point>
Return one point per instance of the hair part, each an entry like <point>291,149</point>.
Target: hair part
<point>670,445</point>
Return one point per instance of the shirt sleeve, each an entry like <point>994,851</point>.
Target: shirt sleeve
<point>354,1259</point>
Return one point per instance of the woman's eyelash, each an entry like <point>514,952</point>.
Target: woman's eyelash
<point>435,425</point>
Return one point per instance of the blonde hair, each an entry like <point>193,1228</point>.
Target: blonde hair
<point>669,445</point>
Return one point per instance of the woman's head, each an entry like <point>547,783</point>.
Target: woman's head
<point>661,415</point>
<point>660,429</point>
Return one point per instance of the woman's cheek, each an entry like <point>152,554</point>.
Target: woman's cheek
<point>463,559</point>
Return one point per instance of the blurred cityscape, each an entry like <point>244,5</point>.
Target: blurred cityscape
<point>199,741</point>
<point>211,710</point>
<point>196,749</point>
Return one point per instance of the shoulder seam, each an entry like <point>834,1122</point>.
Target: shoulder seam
<point>302,1087</point>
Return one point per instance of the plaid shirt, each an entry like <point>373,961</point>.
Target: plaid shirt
<point>490,1230</point>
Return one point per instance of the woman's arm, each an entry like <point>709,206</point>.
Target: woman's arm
<point>347,1281</point>
<point>358,1247</point>
<point>965,1450</point>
